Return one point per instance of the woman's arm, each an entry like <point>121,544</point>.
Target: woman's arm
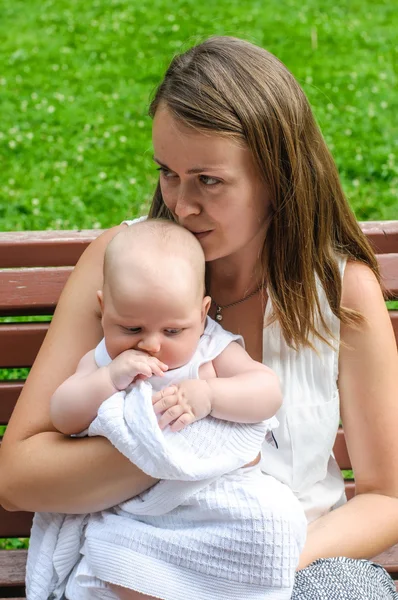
<point>367,524</point>
<point>41,470</point>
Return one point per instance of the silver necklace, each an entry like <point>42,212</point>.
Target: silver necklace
<point>221,307</point>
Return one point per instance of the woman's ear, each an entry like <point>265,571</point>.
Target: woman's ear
<point>206,303</point>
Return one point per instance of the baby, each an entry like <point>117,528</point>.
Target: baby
<point>154,312</point>
<point>217,532</point>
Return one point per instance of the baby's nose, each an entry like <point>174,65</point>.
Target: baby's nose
<point>150,344</point>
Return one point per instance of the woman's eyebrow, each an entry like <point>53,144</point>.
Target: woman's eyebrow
<point>193,171</point>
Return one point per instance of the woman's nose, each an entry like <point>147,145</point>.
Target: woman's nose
<point>185,205</point>
<point>150,344</point>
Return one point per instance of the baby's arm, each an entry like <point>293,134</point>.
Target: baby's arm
<point>241,390</point>
<point>75,403</point>
<point>244,391</point>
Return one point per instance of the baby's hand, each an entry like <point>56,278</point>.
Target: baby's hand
<point>183,403</point>
<point>131,365</point>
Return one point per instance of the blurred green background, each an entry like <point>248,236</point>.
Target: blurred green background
<point>76,78</point>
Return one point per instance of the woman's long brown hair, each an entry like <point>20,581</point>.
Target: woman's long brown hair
<point>236,89</point>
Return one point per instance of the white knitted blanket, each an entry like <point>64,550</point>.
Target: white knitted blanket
<point>209,529</point>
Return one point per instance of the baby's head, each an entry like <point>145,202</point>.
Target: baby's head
<point>153,297</point>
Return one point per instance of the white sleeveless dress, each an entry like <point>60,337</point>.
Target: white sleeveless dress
<point>309,417</point>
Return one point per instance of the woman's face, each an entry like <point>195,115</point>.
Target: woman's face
<point>212,186</point>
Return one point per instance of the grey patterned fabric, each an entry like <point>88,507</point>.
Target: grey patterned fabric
<point>343,579</point>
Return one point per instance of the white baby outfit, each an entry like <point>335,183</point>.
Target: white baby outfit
<point>210,529</point>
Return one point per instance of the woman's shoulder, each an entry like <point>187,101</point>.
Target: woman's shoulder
<point>363,294</point>
<point>360,287</point>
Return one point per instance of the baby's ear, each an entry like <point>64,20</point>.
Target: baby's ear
<point>206,303</point>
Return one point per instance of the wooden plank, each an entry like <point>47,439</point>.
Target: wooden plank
<point>9,394</point>
<point>15,523</point>
<point>31,291</point>
<point>389,273</point>
<point>383,235</point>
<point>12,567</point>
<point>36,291</point>
<point>394,321</point>
<point>20,342</point>
<point>340,451</point>
<point>349,489</point>
<point>389,559</point>
<point>63,248</point>
<point>44,248</point>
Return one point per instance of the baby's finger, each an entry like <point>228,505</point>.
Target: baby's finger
<point>142,368</point>
<point>170,415</point>
<point>165,403</point>
<point>156,369</point>
<point>183,421</point>
<point>161,365</point>
<point>168,391</point>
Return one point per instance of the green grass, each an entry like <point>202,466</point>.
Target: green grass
<point>13,543</point>
<point>76,78</point>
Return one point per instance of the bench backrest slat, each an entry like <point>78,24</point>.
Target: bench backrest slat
<point>44,248</point>
<point>383,235</point>
<point>20,342</point>
<point>9,393</point>
<point>388,264</point>
<point>36,291</point>
<point>31,291</point>
<point>15,524</point>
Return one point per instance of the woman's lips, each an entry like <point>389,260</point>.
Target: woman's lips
<point>201,234</point>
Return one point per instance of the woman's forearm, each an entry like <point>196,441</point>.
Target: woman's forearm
<point>50,472</point>
<point>362,528</point>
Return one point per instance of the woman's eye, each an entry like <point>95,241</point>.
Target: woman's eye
<point>172,331</point>
<point>207,180</point>
<point>165,172</point>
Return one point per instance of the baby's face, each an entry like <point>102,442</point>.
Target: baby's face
<point>165,323</point>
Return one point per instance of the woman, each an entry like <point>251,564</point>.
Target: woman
<point>244,166</point>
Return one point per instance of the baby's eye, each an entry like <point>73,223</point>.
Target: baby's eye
<point>133,329</point>
<point>172,331</point>
<point>207,180</point>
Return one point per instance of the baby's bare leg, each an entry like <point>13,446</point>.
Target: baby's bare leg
<point>126,594</point>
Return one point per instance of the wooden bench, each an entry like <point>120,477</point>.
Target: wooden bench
<point>34,267</point>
